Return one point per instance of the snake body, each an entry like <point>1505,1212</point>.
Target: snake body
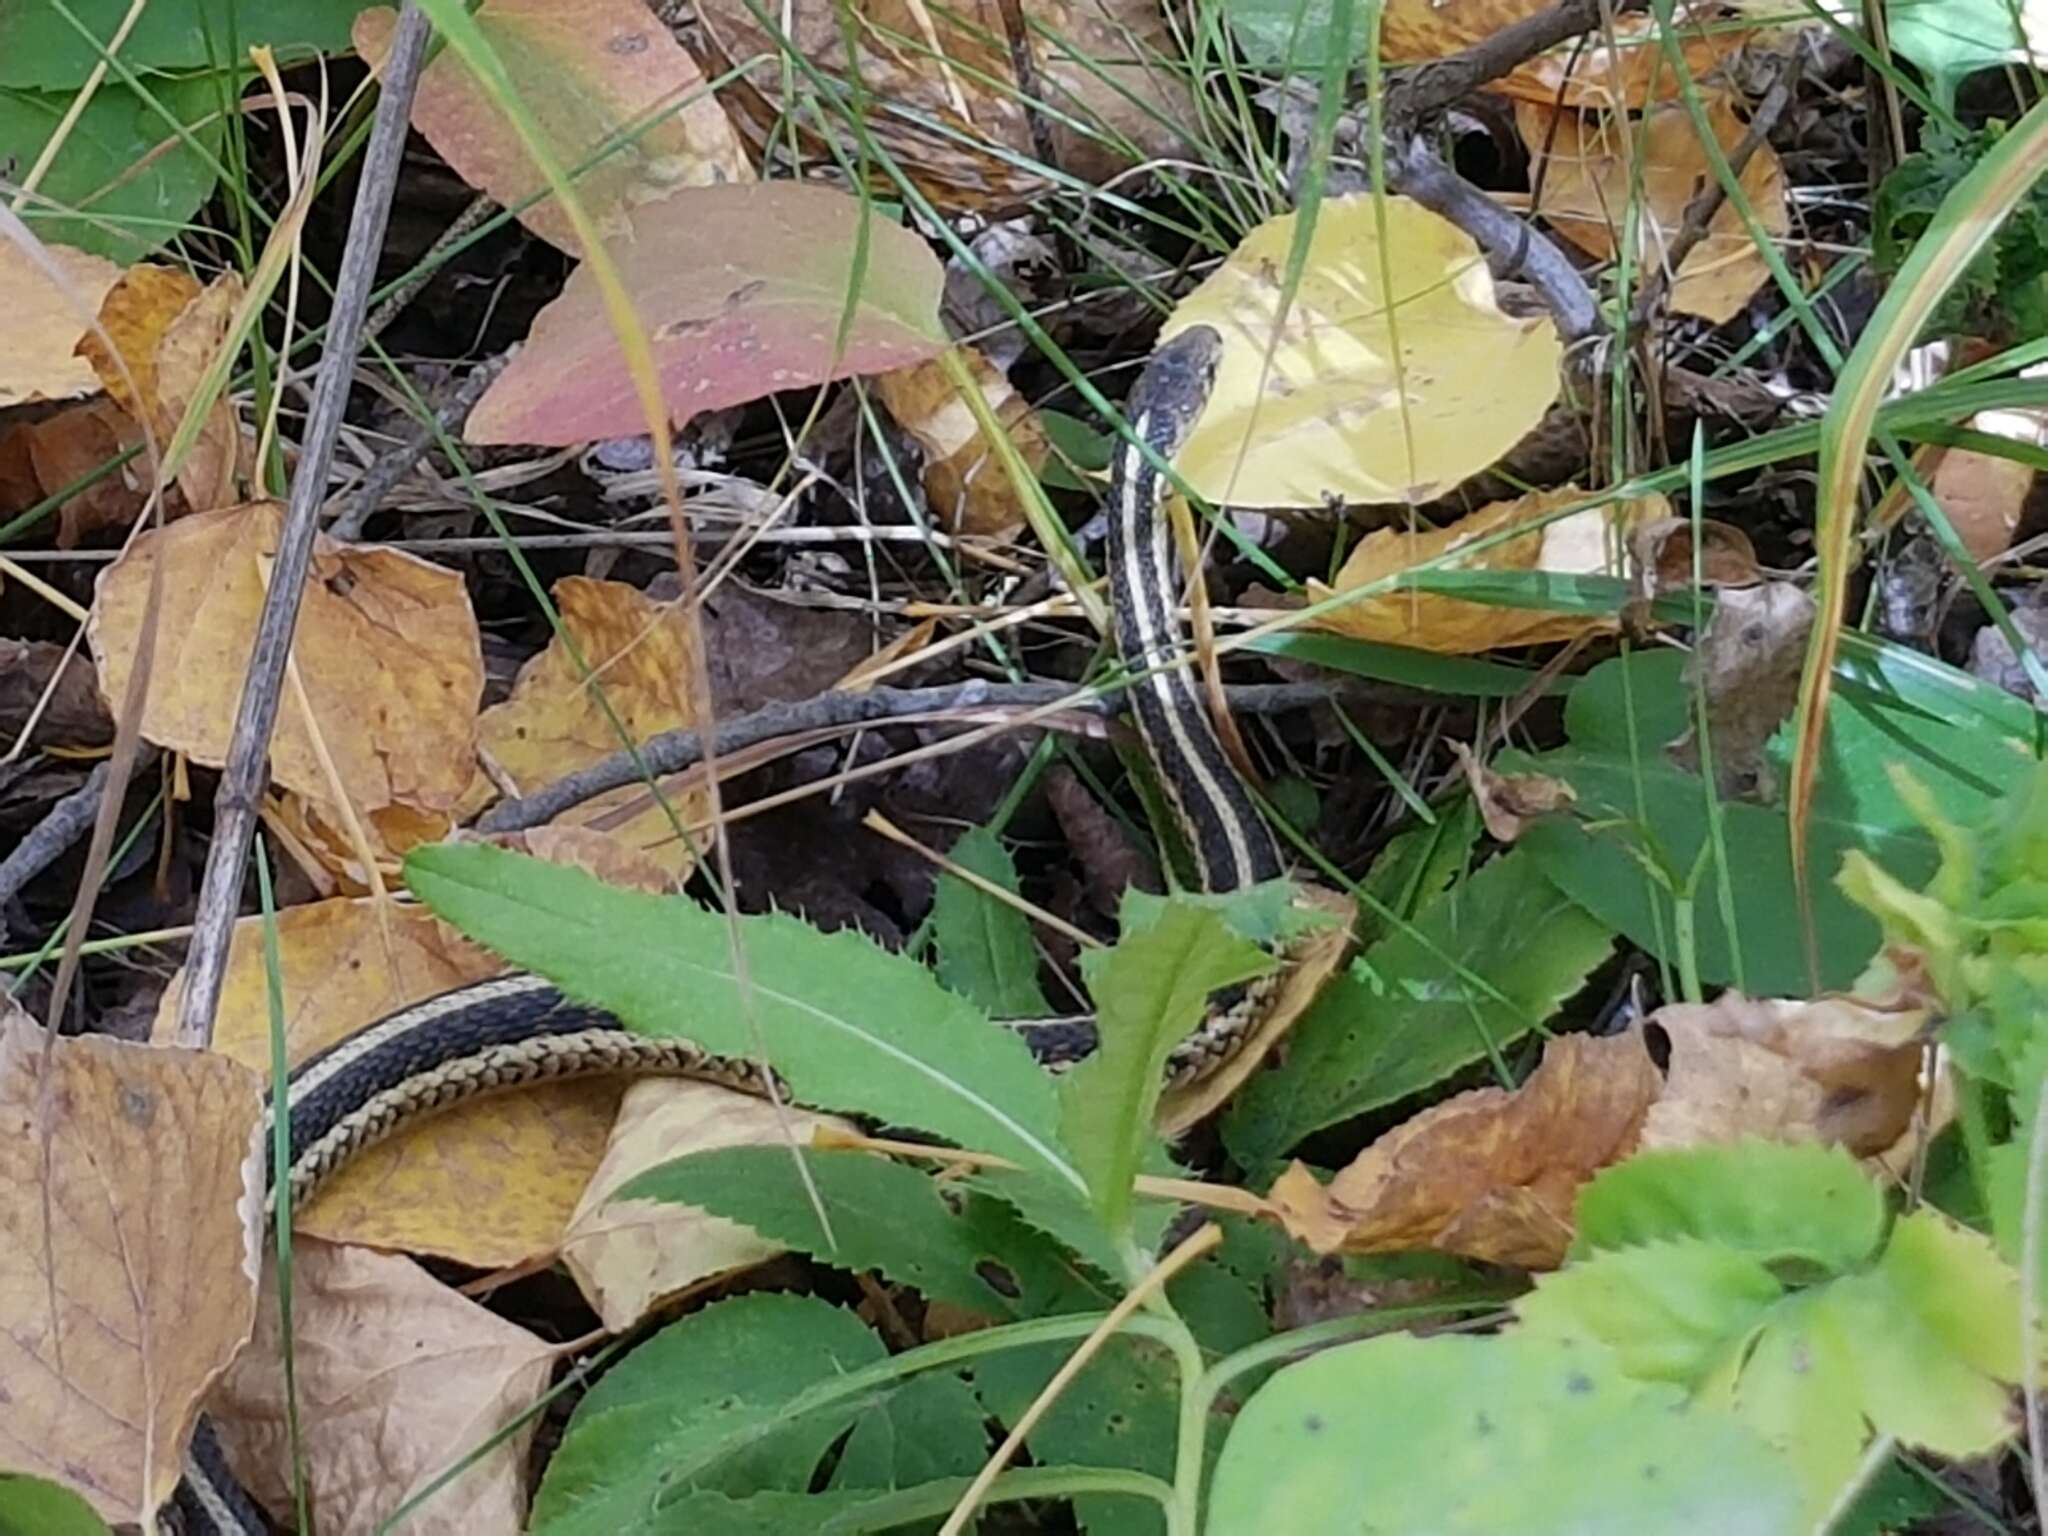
<point>520,1029</point>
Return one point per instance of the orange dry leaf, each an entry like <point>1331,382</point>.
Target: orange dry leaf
<point>148,1166</point>
<point>1489,1174</point>
<point>1586,166</point>
<point>168,332</point>
<point>1508,802</point>
<point>1835,1069</point>
<point>1582,72</point>
<point>488,1183</point>
<point>398,1379</point>
<point>638,652</point>
<point>865,674</point>
<point>63,449</point>
<point>1590,542</point>
<point>969,489</point>
<point>44,319</point>
<point>628,1255</point>
<point>386,645</point>
<point>319,840</point>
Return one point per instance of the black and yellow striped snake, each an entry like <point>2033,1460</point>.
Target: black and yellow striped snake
<point>519,1029</point>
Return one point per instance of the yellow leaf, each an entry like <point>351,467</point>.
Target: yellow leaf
<point>386,644</point>
<point>1342,413</point>
<point>151,1186</point>
<point>44,323</point>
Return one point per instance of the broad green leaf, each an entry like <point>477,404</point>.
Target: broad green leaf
<point>1150,990</point>
<point>1464,1435</point>
<point>1898,1499</point>
<point>930,1428</point>
<point>1419,865</point>
<point>1636,809</point>
<point>1468,976</point>
<point>40,49</point>
<point>885,1216</point>
<point>1950,39</point>
<point>985,949</point>
<point>126,180</point>
<point>31,1507</point>
<point>1669,1310</point>
<point>848,1025</point>
<point>1773,1201</point>
<point>750,281</point>
<point>1795,1386</point>
<point>702,1404</point>
<point>1955,1283</point>
<point>1466,675</point>
<point>1296,34</point>
<point>1265,913</point>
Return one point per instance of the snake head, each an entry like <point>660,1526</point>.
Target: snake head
<point>1174,387</point>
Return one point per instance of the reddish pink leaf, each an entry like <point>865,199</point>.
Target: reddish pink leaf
<point>590,72</point>
<point>742,290</point>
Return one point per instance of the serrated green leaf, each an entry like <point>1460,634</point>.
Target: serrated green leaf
<point>848,1025</point>
<point>1796,1389</point>
<point>31,1507</point>
<point>1771,1200</point>
<point>1668,1310</point>
<point>1961,1290</point>
<point>1460,1435</point>
<point>985,949</point>
<point>931,1428</point>
<point>1423,1003</point>
<point>1266,913</point>
<point>1150,990</point>
<point>702,1404</point>
<point>1906,1379</point>
<point>885,1216</point>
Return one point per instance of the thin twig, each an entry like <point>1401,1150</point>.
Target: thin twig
<point>396,462</point>
<point>674,751</point>
<point>242,779</point>
<point>1444,82</point>
<point>62,825</point>
<point>480,208</point>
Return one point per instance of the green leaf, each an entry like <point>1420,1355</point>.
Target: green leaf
<point>1296,35</point>
<point>1419,865</point>
<point>1796,1388</point>
<point>42,50</point>
<point>886,1216</point>
<point>1465,675</point>
<point>125,181</point>
<point>1086,448</point>
<point>1422,1003</point>
<point>1522,1433</point>
<point>1265,913</point>
<point>1670,1311</point>
<point>848,1025</point>
<point>701,1404</point>
<point>985,949</point>
<point>31,1507</point>
<point>1634,807</point>
<point>1773,1201</point>
<point>930,1428</point>
<point>1150,990</point>
<point>1953,38</point>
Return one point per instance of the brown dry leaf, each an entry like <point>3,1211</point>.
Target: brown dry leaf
<point>62,449</point>
<point>318,838</point>
<point>628,1255</point>
<point>386,644</point>
<point>595,853</point>
<point>44,321</point>
<point>866,673</point>
<point>1489,1174</point>
<point>1662,550</point>
<point>1835,1069</point>
<point>941,97</point>
<point>1984,494</point>
<point>1586,162</point>
<point>398,1379</point>
<point>488,1183</point>
<point>1590,542</point>
<point>1309,962</point>
<point>1508,802</point>
<point>1342,411</point>
<point>638,652</point>
<point>153,1184</point>
<point>1748,665</point>
<point>1584,71</point>
<point>168,331</point>
<point>970,491</point>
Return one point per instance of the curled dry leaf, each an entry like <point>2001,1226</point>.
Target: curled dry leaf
<point>1508,802</point>
<point>969,489</point>
<point>1342,412</point>
<point>591,74</point>
<point>1835,1069</point>
<point>1588,542</point>
<point>629,1255</point>
<point>942,98</point>
<point>168,331</point>
<point>386,645</point>
<point>1662,552</point>
<point>487,1183</point>
<point>750,288</point>
<point>398,1378</point>
<point>1748,665</point>
<point>318,838</point>
<point>1489,1174</point>
<point>1585,71</point>
<point>44,319</point>
<point>556,721</point>
<point>1587,165</point>
<point>152,1184</point>
<point>63,449</point>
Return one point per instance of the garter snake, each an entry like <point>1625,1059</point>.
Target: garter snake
<point>515,1030</point>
